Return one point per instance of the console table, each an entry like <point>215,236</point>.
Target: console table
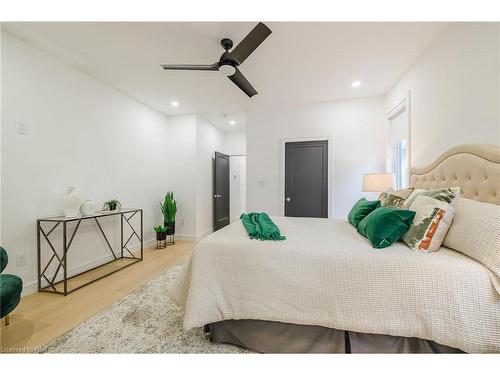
<point>61,260</point>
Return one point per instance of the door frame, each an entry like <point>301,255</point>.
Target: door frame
<point>330,170</point>
<point>403,104</point>
<point>231,183</point>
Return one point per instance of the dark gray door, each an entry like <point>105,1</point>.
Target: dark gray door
<point>221,190</point>
<point>306,179</point>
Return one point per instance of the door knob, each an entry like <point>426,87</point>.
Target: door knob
<point>288,199</point>
<point>217,196</point>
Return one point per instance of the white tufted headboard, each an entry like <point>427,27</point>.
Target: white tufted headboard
<point>475,168</point>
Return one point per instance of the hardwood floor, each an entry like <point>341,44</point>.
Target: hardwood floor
<point>41,317</point>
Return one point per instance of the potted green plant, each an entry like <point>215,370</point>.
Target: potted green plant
<point>169,209</point>
<point>112,205</point>
<point>161,233</point>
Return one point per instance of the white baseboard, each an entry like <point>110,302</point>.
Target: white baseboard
<point>201,236</point>
<point>185,237</point>
<point>29,288</point>
<point>193,237</point>
<point>32,287</point>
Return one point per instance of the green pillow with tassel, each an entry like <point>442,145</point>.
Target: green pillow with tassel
<point>385,225</point>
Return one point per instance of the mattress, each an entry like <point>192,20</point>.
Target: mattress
<point>326,274</point>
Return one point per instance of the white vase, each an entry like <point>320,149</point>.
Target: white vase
<point>72,203</point>
<point>88,207</point>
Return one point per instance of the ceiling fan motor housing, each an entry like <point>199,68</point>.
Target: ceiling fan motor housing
<point>226,43</point>
<point>227,59</point>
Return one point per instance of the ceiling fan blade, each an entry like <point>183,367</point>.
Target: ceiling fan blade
<point>249,43</point>
<point>191,67</point>
<point>239,80</point>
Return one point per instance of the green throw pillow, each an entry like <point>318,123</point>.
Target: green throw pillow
<point>360,209</point>
<point>386,225</point>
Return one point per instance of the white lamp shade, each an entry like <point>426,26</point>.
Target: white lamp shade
<point>378,182</point>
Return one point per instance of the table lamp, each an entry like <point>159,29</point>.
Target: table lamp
<point>378,182</point>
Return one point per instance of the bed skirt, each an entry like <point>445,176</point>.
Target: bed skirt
<point>276,337</point>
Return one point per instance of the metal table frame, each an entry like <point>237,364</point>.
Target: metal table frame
<point>62,261</point>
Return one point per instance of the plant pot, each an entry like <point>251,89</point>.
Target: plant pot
<point>170,228</point>
<point>161,236</point>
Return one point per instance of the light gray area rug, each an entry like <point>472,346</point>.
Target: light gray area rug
<point>145,321</point>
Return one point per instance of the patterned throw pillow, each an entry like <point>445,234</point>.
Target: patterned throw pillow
<point>394,199</point>
<point>434,214</point>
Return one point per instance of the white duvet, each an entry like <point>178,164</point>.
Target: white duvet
<point>326,274</point>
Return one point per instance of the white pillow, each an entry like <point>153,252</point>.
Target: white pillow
<point>434,214</point>
<point>476,232</point>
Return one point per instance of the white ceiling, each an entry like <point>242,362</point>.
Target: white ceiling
<point>297,63</point>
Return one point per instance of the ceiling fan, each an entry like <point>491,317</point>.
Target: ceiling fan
<point>229,61</point>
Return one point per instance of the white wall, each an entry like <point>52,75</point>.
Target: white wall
<point>454,88</point>
<point>358,131</point>
<point>235,143</point>
<point>180,157</point>
<point>81,133</point>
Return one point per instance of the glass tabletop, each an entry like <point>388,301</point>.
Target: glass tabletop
<point>102,213</point>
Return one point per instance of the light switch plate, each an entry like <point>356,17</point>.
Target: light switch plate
<point>21,260</point>
<point>22,128</point>
<point>261,183</point>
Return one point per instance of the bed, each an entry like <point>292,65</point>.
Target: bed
<point>325,289</point>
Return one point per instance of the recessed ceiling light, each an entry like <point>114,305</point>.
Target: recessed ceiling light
<point>174,103</point>
<point>232,122</point>
<point>356,84</point>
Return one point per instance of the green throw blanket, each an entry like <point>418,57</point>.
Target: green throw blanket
<point>260,226</point>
